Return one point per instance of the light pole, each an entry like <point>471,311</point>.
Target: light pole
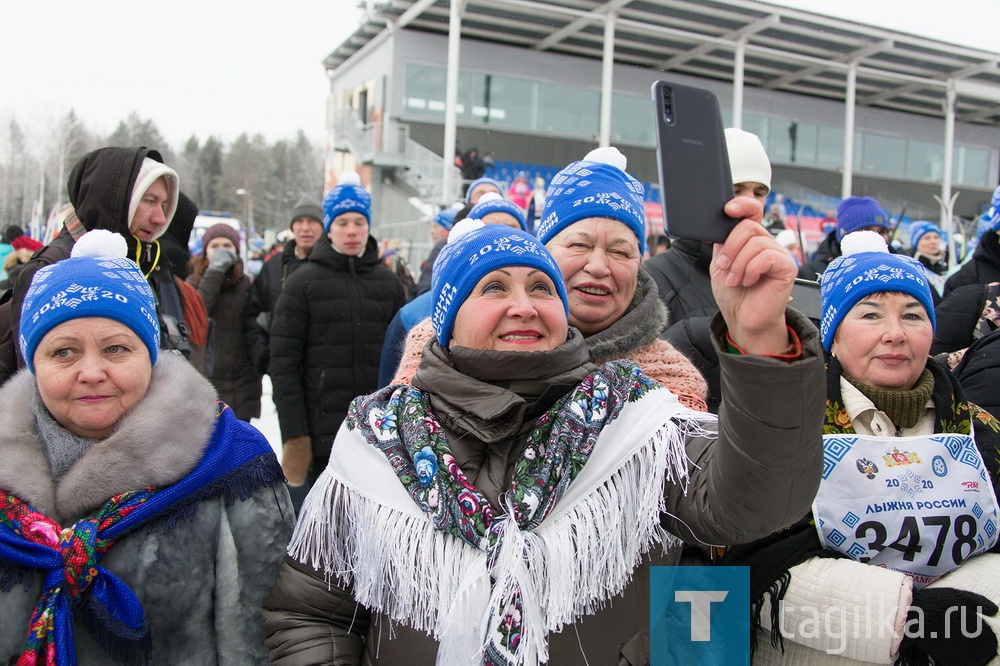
<point>249,204</point>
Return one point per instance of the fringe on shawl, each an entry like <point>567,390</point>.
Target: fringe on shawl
<point>238,484</point>
<point>400,566</point>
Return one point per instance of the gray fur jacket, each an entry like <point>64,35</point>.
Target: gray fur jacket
<point>201,581</point>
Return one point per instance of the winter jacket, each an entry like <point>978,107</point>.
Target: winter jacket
<point>427,268</point>
<point>683,281</point>
<point>200,578</point>
<point>225,294</point>
<point>765,445</point>
<point>263,300</point>
<point>633,337</point>
<point>828,250</point>
<point>965,315</point>
<point>326,339</point>
<point>982,268</point>
<point>979,372</point>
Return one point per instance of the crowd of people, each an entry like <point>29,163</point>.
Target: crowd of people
<point>482,465</point>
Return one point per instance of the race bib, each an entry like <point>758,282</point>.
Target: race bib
<point>917,505</point>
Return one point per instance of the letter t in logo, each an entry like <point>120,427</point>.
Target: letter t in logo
<point>701,610</point>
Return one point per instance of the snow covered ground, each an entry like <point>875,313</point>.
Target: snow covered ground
<point>268,421</point>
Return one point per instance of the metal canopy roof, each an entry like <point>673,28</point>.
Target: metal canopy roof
<point>786,49</point>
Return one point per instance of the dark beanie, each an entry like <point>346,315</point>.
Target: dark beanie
<point>222,230</point>
<point>307,207</point>
<point>11,232</point>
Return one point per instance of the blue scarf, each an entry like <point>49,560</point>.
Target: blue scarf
<point>237,462</point>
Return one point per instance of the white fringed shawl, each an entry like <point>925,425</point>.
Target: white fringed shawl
<point>360,526</point>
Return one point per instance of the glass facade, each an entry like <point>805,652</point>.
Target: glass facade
<point>574,111</point>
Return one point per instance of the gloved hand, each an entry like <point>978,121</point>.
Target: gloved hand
<point>261,360</point>
<point>941,635</point>
<point>296,456</point>
<point>222,259</point>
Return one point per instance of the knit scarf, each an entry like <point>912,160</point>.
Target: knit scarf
<point>410,437</point>
<point>237,462</point>
<point>904,408</point>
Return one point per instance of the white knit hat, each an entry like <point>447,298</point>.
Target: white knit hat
<point>149,173</point>
<point>747,159</point>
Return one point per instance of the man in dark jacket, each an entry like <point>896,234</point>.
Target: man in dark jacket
<point>853,214</point>
<point>129,191</point>
<point>327,333</point>
<point>307,228</point>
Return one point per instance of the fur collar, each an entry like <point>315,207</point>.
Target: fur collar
<point>641,324</point>
<point>157,443</point>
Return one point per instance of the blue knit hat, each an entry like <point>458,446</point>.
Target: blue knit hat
<point>491,202</point>
<point>96,281</point>
<point>473,250</point>
<point>919,229</point>
<point>346,197</point>
<point>481,181</point>
<point>994,211</point>
<point>446,218</point>
<point>866,268</point>
<point>596,186</point>
<point>855,213</point>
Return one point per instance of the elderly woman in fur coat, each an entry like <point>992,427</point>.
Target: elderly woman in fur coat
<point>140,520</point>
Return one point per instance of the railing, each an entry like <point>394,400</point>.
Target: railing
<point>388,143</point>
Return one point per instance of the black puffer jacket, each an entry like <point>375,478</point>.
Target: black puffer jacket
<point>683,281</point>
<point>984,267</point>
<point>263,301</point>
<point>326,339</point>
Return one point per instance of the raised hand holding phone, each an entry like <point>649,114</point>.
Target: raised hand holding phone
<point>693,162</point>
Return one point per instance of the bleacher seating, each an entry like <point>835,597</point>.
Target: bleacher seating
<point>504,172</point>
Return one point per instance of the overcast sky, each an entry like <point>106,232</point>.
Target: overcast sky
<point>223,67</point>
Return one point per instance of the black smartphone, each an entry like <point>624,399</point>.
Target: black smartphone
<point>806,299</point>
<point>693,162</point>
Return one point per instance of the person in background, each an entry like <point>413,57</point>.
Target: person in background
<point>748,164</point>
<point>927,247</point>
<point>656,244</point>
<point>129,191</point>
<point>682,273</point>
<point>142,522</point>
<point>327,332</point>
<point>507,506</point>
<point>519,191</point>
<point>14,236</point>
<point>306,228</point>
<point>174,242</point>
<point>984,265</point>
<point>217,274</point>
<point>853,214</point>
<point>479,187</point>
<point>494,209</point>
<point>473,166</point>
<point>789,240</point>
<point>903,529</point>
<point>438,232</point>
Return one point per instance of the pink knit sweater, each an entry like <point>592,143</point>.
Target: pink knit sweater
<point>658,359</point>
